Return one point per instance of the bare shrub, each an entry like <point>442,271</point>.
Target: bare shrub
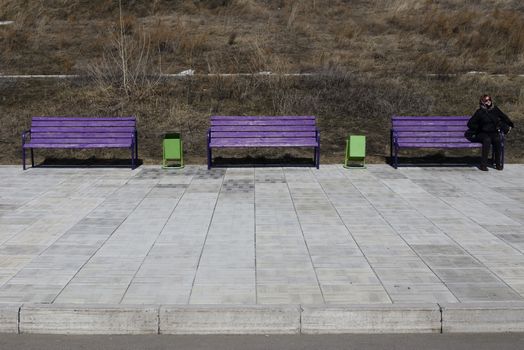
<point>126,66</point>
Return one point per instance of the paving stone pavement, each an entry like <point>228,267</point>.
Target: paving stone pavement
<point>261,235</point>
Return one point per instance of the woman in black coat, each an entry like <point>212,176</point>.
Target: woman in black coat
<point>486,124</point>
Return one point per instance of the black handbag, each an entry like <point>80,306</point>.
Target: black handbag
<point>505,128</point>
<point>470,135</point>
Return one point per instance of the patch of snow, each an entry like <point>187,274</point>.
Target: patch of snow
<point>187,72</point>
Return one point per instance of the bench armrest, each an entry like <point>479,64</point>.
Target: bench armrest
<point>24,135</point>
<point>394,136</point>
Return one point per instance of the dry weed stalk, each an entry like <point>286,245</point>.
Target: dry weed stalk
<point>127,64</point>
<point>295,7</point>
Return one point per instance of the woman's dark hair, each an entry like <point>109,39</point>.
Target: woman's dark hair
<point>483,98</point>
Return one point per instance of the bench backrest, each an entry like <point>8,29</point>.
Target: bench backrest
<point>431,131</point>
<point>264,129</point>
<point>83,131</point>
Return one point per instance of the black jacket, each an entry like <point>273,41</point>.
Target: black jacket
<point>488,120</point>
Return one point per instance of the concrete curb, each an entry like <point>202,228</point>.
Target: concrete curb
<point>223,319</point>
<point>9,318</point>
<point>483,317</point>
<point>393,318</point>
<point>261,319</point>
<point>88,319</point>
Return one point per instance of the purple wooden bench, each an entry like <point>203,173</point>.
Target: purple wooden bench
<point>431,132</point>
<point>81,133</point>
<point>263,131</point>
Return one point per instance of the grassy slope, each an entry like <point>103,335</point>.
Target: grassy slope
<point>393,36</point>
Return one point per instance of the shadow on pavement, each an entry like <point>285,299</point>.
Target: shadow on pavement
<point>92,162</point>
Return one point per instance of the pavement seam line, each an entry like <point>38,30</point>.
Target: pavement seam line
<point>153,244</point>
<point>302,233</point>
<point>300,312</point>
<point>207,234</point>
<point>158,319</point>
<point>18,319</point>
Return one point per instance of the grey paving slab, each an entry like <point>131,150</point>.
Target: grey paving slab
<point>264,236</point>
<point>420,293</point>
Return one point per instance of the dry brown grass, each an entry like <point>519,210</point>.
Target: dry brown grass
<point>380,36</point>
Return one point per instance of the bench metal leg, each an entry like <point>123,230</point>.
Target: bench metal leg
<point>32,158</point>
<point>133,157</point>
<point>136,145</point>
<point>23,158</point>
<point>502,139</point>
<point>317,157</point>
<point>395,158</point>
<point>393,150</point>
<point>208,157</point>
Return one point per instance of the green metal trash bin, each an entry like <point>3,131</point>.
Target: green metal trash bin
<point>355,152</point>
<point>172,151</point>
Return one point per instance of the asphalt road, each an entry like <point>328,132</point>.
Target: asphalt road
<point>505,341</point>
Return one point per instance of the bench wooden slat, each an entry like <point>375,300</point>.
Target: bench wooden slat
<point>127,140</point>
<point>59,129</point>
<point>64,118</point>
<point>437,117</point>
<point>265,142</point>
<point>110,134</point>
<point>430,134</point>
<point>78,145</point>
<point>261,117</point>
<point>438,145</point>
<point>83,123</point>
<point>423,123</point>
<point>262,122</point>
<point>265,128</point>
<point>430,128</point>
<point>434,139</point>
<point>251,134</point>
